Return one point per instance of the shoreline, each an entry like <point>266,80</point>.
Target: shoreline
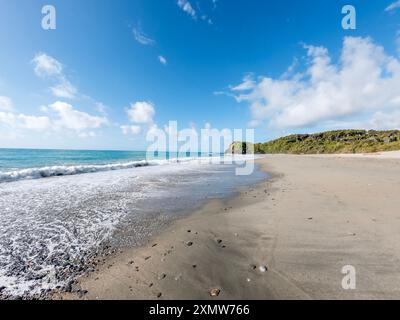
<point>288,237</point>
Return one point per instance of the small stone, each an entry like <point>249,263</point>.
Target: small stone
<point>131,262</point>
<point>253,266</point>
<point>189,244</point>
<point>215,292</point>
<point>82,293</point>
<point>159,295</point>
<point>248,280</point>
<point>263,269</point>
<point>154,245</point>
<point>189,231</point>
<point>194,266</point>
<point>310,218</point>
<point>178,277</point>
<point>219,241</point>
<point>150,285</point>
<point>162,276</point>
<point>147,258</point>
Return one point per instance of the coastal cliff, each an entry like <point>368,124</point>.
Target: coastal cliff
<point>239,147</point>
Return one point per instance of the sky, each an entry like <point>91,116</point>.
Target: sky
<point>112,71</point>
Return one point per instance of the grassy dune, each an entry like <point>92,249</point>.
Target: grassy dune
<point>341,141</point>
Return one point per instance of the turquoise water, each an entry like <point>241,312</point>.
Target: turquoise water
<point>14,159</point>
<point>22,164</point>
<point>61,208</point>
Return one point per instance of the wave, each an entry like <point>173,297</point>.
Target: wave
<point>61,170</point>
<point>54,171</point>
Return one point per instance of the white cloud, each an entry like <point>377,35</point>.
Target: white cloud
<point>64,90</point>
<point>21,121</point>
<point>134,130</point>
<point>162,60</point>
<point>7,118</point>
<point>34,123</point>
<point>85,134</point>
<point>141,37</point>
<point>61,116</point>
<point>153,129</point>
<point>247,84</point>
<point>141,112</point>
<point>46,65</point>
<point>363,83</point>
<point>395,5</point>
<point>6,104</point>
<point>70,118</point>
<point>186,6</point>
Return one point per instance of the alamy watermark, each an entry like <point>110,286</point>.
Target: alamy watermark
<point>349,21</point>
<point>349,280</point>
<point>210,145</point>
<point>49,20</point>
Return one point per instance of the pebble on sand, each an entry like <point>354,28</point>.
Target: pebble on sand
<point>178,277</point>
<point>162,276</point>
<point>263,269</point>
<point>215,292</point>
<point>189,244</point>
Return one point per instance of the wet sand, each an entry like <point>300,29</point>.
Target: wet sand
<point>314,216</point>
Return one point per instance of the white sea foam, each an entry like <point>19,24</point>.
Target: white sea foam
<point>50,227</point>
<point>54,171</point>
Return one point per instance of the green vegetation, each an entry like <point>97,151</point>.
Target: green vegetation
<point>239,147</point>
<point>341,141</point>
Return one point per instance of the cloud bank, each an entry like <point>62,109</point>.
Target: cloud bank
<point>363,84</point>
<point>47,67</point>
<point>140,114</point>
<point>60,116</point>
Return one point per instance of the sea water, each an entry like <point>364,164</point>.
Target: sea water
<point>59,208</point>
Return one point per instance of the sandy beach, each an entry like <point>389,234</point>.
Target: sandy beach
<point>314,215</point>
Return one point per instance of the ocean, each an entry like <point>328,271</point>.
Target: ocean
<point>60,209</point>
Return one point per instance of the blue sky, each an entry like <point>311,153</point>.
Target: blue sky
<point>112,70</point>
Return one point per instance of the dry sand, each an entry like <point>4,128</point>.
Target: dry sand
<point>316,215</point>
